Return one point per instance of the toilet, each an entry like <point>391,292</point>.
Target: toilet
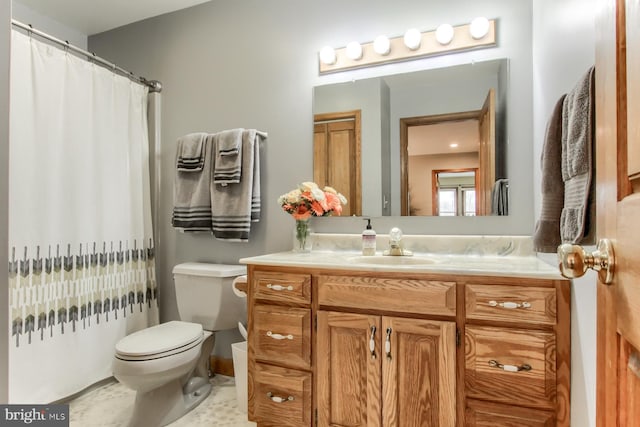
<point>167,364</point>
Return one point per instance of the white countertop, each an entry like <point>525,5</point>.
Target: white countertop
<point>465,255</point>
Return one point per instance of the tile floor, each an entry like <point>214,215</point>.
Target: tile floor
<point>112,403</point>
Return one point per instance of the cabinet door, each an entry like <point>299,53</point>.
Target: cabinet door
<point>418,373</point>
<point>348,371</point>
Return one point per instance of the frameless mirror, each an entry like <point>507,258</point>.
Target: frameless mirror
<point>387,143</point>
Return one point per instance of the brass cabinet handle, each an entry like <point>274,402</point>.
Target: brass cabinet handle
<point>279,399</point>
<point>279,287</point>
<point>372,342</point>
<point>574,261</point>
<point>509,368</point>
<point>510,304</point>
<point>279,336</point>
<point>387,344</point>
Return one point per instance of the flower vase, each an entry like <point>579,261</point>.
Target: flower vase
<point>302,234</point>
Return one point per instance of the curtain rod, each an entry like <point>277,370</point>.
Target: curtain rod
<point>154,85</point>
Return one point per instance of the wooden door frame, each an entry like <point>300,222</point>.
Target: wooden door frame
<point>434,187</point>
<point>356,115</point>
<point>405,124</point>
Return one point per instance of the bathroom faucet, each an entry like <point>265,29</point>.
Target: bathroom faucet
<point>395,244</point>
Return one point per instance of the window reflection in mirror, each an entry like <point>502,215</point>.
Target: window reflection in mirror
<point>454,192</point>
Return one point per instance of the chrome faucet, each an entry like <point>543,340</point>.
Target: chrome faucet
<point>395,244</point>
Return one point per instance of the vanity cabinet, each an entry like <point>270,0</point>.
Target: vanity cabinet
<point>517,353</point>
<point>385,371</point>
<point>362,348</point>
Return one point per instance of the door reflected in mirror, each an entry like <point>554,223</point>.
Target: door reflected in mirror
<point>392,177</point>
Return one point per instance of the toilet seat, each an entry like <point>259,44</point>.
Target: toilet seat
<point>160,341</point>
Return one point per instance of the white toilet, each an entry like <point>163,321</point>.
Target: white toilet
<point>167,365</point>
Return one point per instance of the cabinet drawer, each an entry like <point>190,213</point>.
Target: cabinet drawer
<point>491,356</point>
<point>511,303</point>
<point>282,397</point>
<point>399,295</point>
<point>283,287</point>
<point>282,335</point>
<point>483,414</point>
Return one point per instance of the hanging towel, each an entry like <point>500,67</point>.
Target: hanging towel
<point>500,197</point>
<point>228,157</point>
<point>190,156</point>
<point>191,196</point>
<point>546,237</point>
<point>234,207</point>
<point>576,166</point>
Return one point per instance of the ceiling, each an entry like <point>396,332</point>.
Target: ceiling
<point>95,16</point>
<point>437,138</point>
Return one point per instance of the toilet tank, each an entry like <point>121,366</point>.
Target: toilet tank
<point>205,295</point>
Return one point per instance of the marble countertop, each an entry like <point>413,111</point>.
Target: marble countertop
<point>510,256</point>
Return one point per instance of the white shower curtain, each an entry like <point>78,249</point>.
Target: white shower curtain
<point>81,267</point>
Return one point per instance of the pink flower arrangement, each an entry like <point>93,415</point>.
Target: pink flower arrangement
<point>309,200</point>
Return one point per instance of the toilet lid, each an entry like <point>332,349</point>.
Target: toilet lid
<point>159,339</point>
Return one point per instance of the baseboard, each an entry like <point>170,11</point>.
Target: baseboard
<point>222,366</point>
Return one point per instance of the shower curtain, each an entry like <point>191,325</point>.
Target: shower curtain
<point>81,249</point>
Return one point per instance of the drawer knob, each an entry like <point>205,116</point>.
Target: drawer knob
<point>509,368</point>
<point>279,336</point>
<point>279,287</point>
<point>510,304</point>
<point>279,399</point>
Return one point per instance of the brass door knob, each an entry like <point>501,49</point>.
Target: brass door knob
<point>574,261</point>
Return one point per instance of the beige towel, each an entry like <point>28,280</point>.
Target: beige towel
<point>191,196</point>
<point>234,207</point>
<point>576,219</point>
<point>546,237</point>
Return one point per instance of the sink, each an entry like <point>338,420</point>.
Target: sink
<point>391,260</point>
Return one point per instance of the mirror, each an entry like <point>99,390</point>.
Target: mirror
<point>380,140</point>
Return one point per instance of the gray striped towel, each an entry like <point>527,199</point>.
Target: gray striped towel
<point>192,199</point>
<point>190,154</point>
<point>228,157</point>
<point>234,207</point>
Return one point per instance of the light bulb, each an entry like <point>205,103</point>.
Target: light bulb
<point>354,51</point>
<point>444,34</point>
<point>381,45</point>
<point>479,27</point>
<point>412,38</point>
<point>328,55</point>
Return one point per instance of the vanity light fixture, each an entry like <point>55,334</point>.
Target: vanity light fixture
<point>444,34</point>
<point>479,27</point>
<point>328,55</point>
<point>354,51</point>
<point>481,33</point>
<point>412,38</point>
<point>382,45</point>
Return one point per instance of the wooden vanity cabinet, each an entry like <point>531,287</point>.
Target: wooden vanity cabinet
<point>384,371</point>
<point>517,352</point>
<point>379,349</point>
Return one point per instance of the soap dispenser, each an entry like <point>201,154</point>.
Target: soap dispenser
<point>368,239</point>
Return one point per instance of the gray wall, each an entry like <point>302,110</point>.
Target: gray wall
<point>50,26</point>
<point>228,64</point>
<point>5,33</point>
<point>563,50</point>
